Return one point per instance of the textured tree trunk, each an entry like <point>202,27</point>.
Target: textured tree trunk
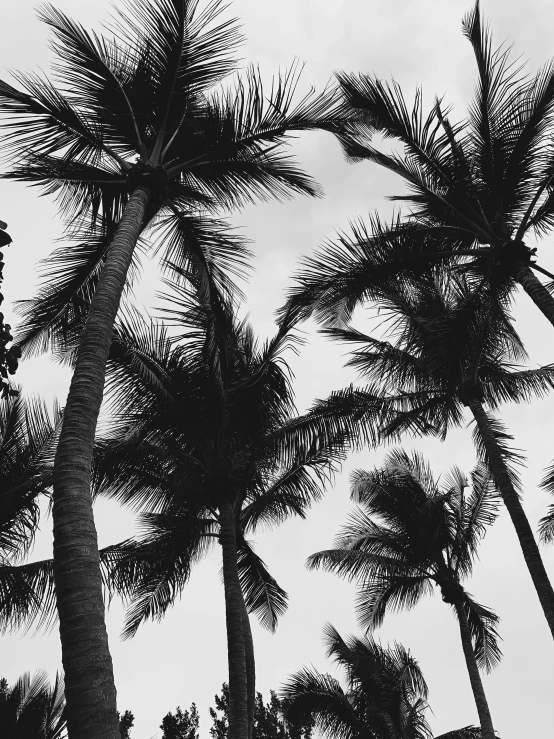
<point>535,289</point>
<point>234,609</point>
<point>250,669</point>
<point>511,499</point>
<point>487,729</point>
<point>89,682</point>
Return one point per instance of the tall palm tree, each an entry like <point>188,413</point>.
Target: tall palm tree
<point>32,709</point>
<point>385,696</point>
<point>200,444</point>
<point>409,534</point>
<point>477,190</point>
<point>136,130</point>
<point>451,350</point>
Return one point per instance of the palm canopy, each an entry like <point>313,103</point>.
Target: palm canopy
<point>32,709</point>
<point>476,189</point>
<point>385,695</point>
<point>449,343</point>
<point>408,534</point>
<point>155,102</point>
<point>196,421</point>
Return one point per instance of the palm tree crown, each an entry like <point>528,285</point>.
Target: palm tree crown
<point>385,696</point>
<point>195,420</point>
<point>477,190</point>
<point>145,106</point>
<point>409,534</point>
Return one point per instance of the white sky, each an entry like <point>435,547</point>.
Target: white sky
<point>183,659</point>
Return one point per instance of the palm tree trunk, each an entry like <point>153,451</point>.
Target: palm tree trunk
<point>512,501</point>
<point>89,681</point>
<point>487,729</point>
<point>535,289</point>
<point>234,607</point>
<point>250,669</point>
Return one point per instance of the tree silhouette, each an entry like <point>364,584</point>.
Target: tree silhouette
<point>137,131</point>
<point>385,695</point>
<point>410,534</point>
<point>476,189</point>
<point>453,348</point>
<point>32,709</point>
<point>205,443</point>
<point>270,719</point>
<point>181,724</point>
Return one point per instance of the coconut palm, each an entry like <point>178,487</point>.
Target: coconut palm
<point>451,350</point>
<point>134,130</point>
<point>410,534</point>
<point>200,444</point>
<point>385,695</point>
<point>477,190</point>
<point>32,709</point>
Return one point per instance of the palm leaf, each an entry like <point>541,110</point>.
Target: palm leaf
<point>262,595</point>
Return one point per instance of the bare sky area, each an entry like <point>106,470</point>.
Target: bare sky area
<point>183,658</point>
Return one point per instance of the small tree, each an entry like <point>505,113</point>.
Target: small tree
<point>181,724</point>
<point>269,718</point>
<point>126,724</point>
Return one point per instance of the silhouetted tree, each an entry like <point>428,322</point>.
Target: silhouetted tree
<point>137,132</point>
<point>214,480</point>
<point>476,189</point>
<point>126,724</point>
<point>270,719</point>
<point>443,349</point>
<point>385,695</point>
<point>181,724</point>
<point>32,709</point>
<point>410,534</point>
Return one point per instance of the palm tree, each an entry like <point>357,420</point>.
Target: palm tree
<point>32,709</point>
<point>452,350</point>
<point>136,131</point>
<point>410,534</point>
<point>200,443</point>
<point>476,189</point>
<point>385,696</point>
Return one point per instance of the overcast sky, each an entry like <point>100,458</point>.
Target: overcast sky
<point>183,659</point>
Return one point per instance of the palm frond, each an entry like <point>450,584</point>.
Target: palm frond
<point>311,694</point>
<point>27,598</point>
<point>484,632</point>
<point>150,573</point>
<point>502,438</point>
<point>262,594</point>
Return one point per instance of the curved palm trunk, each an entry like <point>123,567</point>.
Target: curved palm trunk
<point>487,728</point>
<point>234,608</point>
<point>89,682</point>
<point>511,499</point>
<point>535,289</point>
<point>250,669</point>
